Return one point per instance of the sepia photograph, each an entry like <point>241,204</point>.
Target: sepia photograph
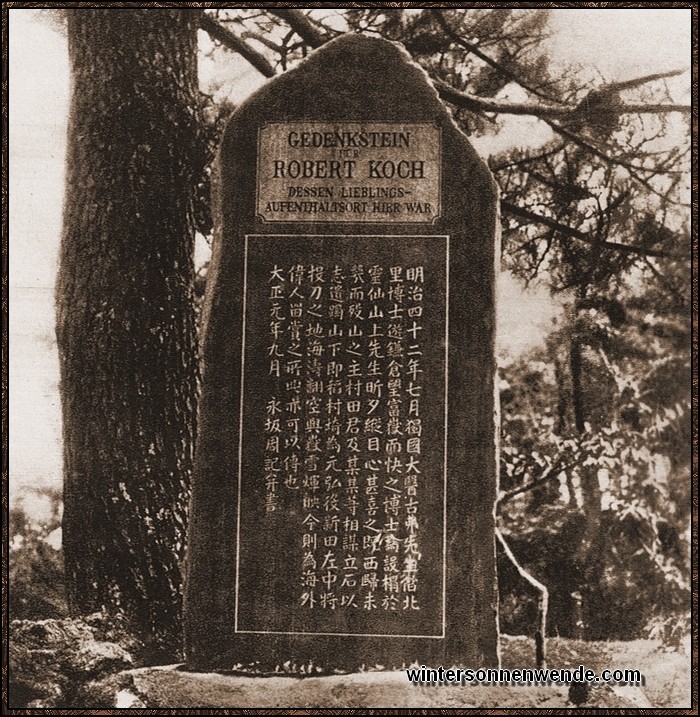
<point>350,357</point>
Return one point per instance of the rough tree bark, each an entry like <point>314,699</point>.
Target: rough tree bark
<point>125,313</point>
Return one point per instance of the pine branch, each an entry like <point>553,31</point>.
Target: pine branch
<point>637,81</point>
<point>485,58</point>
<point>568,231</point>
<point>474,103</point>
<point>301,24</point>
<point>480,104</point>
<point>633,169</point>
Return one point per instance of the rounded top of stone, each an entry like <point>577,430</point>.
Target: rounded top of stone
<point>351,77</point>
<point>373,52</point>
<point>355,41</point>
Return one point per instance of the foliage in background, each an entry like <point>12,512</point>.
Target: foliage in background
<point>635,445</point>
<point>36,563</point>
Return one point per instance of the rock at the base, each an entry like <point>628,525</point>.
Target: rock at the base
<point>171,687</point>
<point>51,661</point>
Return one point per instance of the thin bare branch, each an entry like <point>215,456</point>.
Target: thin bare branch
<point>658,109</point>
<point>218,32</point>
<point>531,485</point>
<point>681,300</point>
<point>542,589</point>
<point>249,35</point>
<point>527,159</point>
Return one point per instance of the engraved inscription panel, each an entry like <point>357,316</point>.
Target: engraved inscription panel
<point>343,428</point>
<point>374,172</point>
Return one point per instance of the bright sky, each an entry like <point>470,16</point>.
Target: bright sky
<point>623,43</point>
<point>620,43</point>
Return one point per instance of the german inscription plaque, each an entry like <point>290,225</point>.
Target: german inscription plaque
<point>349,172</point>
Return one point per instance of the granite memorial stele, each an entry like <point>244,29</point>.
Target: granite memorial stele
<point>346,472</point>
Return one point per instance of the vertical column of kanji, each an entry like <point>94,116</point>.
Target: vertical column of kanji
<point>392,444</point>
<point>312,332</point>
<point>332,368</point>
<point>350,427</point>
<point>412,429</point>
<point>277,338</point>
<point>374,427</point>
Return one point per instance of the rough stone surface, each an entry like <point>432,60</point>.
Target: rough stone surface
<point>242,601</point>
<point>171,687</point>
<point>52,660</point>
<point>667,683</point>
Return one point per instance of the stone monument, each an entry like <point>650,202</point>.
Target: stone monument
<point>346,471</point>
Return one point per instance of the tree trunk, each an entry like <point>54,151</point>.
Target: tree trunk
<point>589,555</point>
<point>125,313</point>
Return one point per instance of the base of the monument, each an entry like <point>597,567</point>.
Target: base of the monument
<point>270,653</point>
<point>170,687</point>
